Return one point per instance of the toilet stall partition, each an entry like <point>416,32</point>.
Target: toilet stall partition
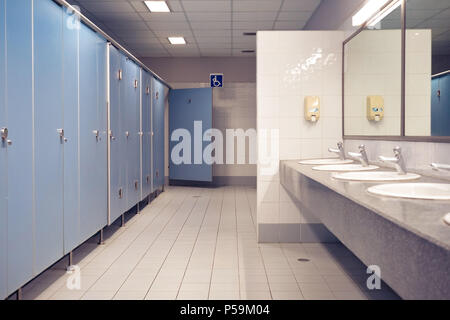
<point>54,136</point>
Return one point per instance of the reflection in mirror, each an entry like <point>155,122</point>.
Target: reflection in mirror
<point>427,53</point>
<point>372,78</point>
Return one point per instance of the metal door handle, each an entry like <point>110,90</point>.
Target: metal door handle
<point>141,133</point>
<point>127,134</point>
<point>60,132</point>
<point>111,135</point>
<point>97,134</point>
<point>4,133</point>
<point>9,142</point>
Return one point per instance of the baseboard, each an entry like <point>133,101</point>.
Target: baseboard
<point>294,233</point>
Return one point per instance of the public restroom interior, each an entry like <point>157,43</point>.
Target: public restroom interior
<point>225,150</point>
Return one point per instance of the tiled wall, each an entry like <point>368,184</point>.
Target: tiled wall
<point>234,107</point>
<point>290,66</point>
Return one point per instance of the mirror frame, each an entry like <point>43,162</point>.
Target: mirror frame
<point>402,136</point>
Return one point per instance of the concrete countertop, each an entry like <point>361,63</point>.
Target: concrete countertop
<point>421,217</point>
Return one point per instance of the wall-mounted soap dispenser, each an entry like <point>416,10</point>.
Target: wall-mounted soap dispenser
<point>312,108</point>
<point>375,108</point>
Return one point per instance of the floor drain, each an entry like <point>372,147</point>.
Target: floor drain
<point>303,260</point>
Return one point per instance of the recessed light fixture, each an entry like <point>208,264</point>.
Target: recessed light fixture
<point>367,11</point>
<point>177,40</point>
<point>157,6</point>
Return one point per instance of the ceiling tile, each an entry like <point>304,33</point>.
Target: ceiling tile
<point>256,25</point>
<point>254,16</point>
<point>303,5</point>
<point>289,25</point>
<point>209,16</point>
<point>294,15</point>
<point>164,17</point>
<point>255,5</point>
<point>211,25</point>
<point>200,6</point>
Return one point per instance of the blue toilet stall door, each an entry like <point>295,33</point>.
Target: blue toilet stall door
<point>48,134</point>
<point>131,114</point>
<point>71,120</point>
<point>92,135</point>
<point>440,102</point>
<point>19,104</point>
<point>186,107</point>
<point>117,138</point>
<point>158,106</point>
<point>146,181</point>
<point>3,160</point>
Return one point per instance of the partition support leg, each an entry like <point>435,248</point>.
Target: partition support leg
<point>70,261</point>
<point>123,221</point>
<point>19,294</point>
<point>138,208</point>
<point>100,237</point>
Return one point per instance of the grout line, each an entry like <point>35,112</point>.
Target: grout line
<point>237,240</point>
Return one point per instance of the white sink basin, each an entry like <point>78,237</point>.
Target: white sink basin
<point>345,167</point>
<point>325,161</point>
<point>426,191</point>
<point>375,176</point>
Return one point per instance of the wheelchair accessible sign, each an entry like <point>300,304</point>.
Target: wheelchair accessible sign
<point>216,80</point>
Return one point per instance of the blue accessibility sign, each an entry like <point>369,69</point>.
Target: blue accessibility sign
<point>216,80</point>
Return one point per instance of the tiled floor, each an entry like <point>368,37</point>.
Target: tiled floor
<point>195,243</point>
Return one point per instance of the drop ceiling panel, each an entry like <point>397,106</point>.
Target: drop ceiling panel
<point>209,16</point>
<point>303,5</point>
<point>255,6</point>
<point>200,6</point>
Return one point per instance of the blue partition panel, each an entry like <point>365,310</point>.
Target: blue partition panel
<point>48,143</point>
<point>117,139</point>
<point>3,160</point>
<point>158,105</point>
<point>19,103</point>
<point>186,107</point>
<point>131,111</point>
<point>93,153</point>
<point>71,117</point>
<point>440,110</point>
<point>146,135</point>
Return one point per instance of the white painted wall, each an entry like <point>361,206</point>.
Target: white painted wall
<point>290,66</point>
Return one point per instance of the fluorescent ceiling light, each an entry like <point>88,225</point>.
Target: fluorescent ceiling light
<point>177,40</point>
<point>366,12</point>
<point>385,13</point>
<point>157,6</point>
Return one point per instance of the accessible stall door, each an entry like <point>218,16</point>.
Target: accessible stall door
<point>3,159</point>
<point>48,134</point>
<point>19,104</point>
<point>158,106</point>
<point>93,153</point>
<point>190,115</point>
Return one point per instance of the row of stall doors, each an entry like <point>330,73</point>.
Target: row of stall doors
<point>54,138</point>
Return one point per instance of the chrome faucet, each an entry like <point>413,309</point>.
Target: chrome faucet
<point>340,150</point>
<point>440,166</point>
<point>397,160</point>
<point>361,156</point>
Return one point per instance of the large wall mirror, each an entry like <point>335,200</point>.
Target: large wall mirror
<point>427,96</point>
<point>396,76</point>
